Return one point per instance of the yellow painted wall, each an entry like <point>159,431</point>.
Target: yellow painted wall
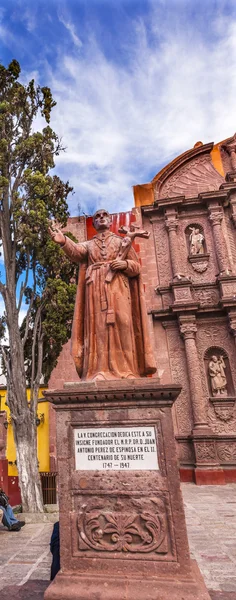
<point>42,433</point>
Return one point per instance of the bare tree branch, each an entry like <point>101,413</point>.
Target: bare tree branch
<point>2,289</point>
<point>39,366</point>
<point>6,360</point>
<point>27,317</point>
<point>35,336</point>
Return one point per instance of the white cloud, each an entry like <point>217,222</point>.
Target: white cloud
<point>122,121</point>
<point>71,28</point>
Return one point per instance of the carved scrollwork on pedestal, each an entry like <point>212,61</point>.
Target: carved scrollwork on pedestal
<point>113,528</point>
<point>227,452</point>
<point>205,451</point>
<point>206,296</point>
<point>224,408</point>
<point>200,267</point>
<point>186,453</point>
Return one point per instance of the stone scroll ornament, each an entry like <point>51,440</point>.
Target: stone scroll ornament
<point>110,337</point>
<point>140,529</point>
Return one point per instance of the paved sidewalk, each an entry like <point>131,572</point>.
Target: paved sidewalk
<point>211,522</point>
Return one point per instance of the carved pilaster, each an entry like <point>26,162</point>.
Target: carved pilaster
<point>233,208</point>
<point>188,329</point>
<point>230,148</point>
<point>171,223</point>
<point>215,217</point>
<point>232,323</point>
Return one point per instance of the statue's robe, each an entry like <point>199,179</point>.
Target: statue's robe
<point>109,334</point>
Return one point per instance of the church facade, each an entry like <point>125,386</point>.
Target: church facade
<point>189,275</point>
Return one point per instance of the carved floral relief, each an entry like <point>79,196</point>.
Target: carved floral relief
<point>206,296</point>
<point>133,525</point>
<point>227,452</point>
<point>162,252</point>
<point>185,452</point>
<point>179,371</point>
<point>205,451</point>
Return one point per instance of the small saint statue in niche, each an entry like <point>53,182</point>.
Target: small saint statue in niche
<point>196,240</point>
<point>217,368</point>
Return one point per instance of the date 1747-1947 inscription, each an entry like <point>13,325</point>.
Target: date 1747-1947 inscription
<point>117,448</point>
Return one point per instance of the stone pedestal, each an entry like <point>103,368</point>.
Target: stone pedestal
<point>122,524</point>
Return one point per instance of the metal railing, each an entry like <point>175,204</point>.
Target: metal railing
<point>49,487</point>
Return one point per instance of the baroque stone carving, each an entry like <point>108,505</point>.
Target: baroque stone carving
<point>178,367</point>
<point>186,453</point>
<point>206,297</point>
<point>162,252</point>
<point>217,375</point>
<point>137,527</point>
<point>230,148</point>
<point>194,177</point>
<point>205,451</point>
<point>208,335</point>
<point>224,408</point>
<point>196,239</point>
<point>200,267</point>
<point>227,452</point>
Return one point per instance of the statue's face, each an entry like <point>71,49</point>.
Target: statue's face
<point>214,358</point>
<point>101,220</point>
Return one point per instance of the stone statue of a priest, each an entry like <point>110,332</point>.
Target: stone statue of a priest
<point>109,333</point>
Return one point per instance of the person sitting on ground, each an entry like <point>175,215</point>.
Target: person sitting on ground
<point>8,518</point>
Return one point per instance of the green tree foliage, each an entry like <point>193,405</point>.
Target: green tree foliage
<point>36,271</point>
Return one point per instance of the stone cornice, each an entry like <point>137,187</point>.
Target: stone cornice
<point>125,393</point>
<point>205,198</point>
<point>219,195</point>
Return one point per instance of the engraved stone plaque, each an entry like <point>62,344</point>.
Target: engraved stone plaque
<point>116,449</point>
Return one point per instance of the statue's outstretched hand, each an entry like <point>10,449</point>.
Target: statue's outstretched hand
<point>57,235</point>
<point>118,265</point>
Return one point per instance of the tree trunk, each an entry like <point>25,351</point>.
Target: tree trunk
<point>23,419</point>
<point>25,435</point>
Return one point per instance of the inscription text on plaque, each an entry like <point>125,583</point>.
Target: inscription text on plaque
<point>116,448</point>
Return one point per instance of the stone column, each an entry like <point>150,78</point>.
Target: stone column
<point>230,148</point>
<point>188,329</point>
<point>232,152</point>
<point>171,223</point>
<point>215,217</point>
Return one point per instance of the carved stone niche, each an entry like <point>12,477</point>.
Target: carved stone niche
<point>218,373</point>
<point>220,383</point>
<point>196,245</point>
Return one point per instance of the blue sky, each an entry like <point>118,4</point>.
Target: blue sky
<point>136,83</point>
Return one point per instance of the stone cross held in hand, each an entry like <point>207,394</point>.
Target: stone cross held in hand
<point>130,235</point>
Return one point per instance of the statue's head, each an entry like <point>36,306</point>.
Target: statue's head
<point>214,358</point>
<point>101,219</point>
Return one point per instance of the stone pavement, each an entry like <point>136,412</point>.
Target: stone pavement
<point>211,522</point>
